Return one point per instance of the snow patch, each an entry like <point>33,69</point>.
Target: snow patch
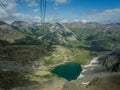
<point>94,61</point>
<point>85,83</point>
<point>81,76</point>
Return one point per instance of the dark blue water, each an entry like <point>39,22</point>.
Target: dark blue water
<point>69,71</point>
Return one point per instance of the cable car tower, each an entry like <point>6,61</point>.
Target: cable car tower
<point>42,14</point>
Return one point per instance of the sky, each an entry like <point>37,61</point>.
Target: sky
<point>101,11</point>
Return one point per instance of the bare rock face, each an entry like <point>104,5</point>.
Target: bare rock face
<point>60,34</point>
<point>111,61</point>
<point>21,24</point>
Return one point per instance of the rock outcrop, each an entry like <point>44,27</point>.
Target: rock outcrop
<point>111,61</point>
<point>59,34</point>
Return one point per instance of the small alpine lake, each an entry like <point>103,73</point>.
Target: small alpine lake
<point>69,71</point>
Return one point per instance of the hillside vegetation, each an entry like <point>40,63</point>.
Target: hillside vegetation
<point>63,54</point>
<point>28,52</point>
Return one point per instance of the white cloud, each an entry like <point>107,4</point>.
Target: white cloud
<point>63,21</point>
<point>11,6</point>
<point>85,21</point>
<point>36,10</point>
<point>27,18</point>
<point>61,1</point>
<point>4,16</point>
<point>31,3</point>
<point>19,16</point>
<point>36,19</point>
<point>106,16</point>
<point>76,20</point>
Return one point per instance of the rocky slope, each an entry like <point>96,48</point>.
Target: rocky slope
<point>25,28</point>
<point>33,30</point>
<point>111,61</point>
<point>21,24</point>
<point>59,34</point>
<point>9,33</point>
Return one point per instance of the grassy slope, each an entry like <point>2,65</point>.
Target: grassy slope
<point>23,54</point>
<point>29,54</point>
<point>9,33</point>
<point>21,57</point>
<point>65,54</point>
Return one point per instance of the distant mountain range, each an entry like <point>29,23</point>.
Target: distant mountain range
<point>93,35</point>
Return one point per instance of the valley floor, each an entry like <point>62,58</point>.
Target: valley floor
<point>93,77</point>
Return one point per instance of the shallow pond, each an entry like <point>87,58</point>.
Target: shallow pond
<point>69,71</point>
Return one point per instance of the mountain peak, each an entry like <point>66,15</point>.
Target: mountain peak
<point>60,34</point>
<point>20,24</point>
<point>56,27</point>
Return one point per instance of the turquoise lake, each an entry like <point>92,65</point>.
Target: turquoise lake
<point>69,71</point>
